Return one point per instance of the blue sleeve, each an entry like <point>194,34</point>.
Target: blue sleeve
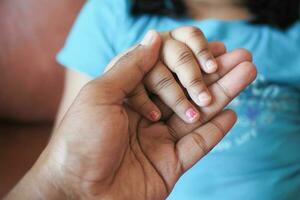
<point>89,46</point>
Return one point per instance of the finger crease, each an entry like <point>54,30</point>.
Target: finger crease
<point>202,52</point>
<point>180,101</point>
<point>196,83</point>
<point>163,83</point>
<point>200,142</point>
<point>184,57</point>
<point>173,133</point>
<point>143,104</point>
<point>225,92</point>
<point>219,127</point>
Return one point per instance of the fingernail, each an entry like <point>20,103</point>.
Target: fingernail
<point>204,99</point>
<point>192,114</point>
<point>148,39</point>
<point>211,66</point>
<point>154,115</point>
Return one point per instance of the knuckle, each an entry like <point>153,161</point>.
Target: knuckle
<point>184,57</point>
<point>197,82</point>
<point>180,100</point>
<point>202,52</point>
<point>163,83</point>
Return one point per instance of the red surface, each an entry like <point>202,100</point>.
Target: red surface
<point>32,32</point>
<point>31,82</point>
<point>20,146</point>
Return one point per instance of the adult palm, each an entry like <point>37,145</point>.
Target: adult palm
<point>105,150</point>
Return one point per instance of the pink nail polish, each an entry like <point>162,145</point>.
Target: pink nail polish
<point>154,115</point>
<point>192,114</point>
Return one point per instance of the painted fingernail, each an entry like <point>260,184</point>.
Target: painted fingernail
<point>148,39</point>
<point>211,66</point>
<point>204,99</point>
<point>192,114</point>
<point>154,115</point>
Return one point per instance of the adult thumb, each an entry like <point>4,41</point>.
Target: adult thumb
<point>129,69</point>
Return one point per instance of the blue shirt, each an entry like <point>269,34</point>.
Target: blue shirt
<point>260,158</point>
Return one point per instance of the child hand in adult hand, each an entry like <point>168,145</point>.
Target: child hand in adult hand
<point>187,67</point>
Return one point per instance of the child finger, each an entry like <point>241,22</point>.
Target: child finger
<point>194,38</point>
<point>161,82</point>
<point>227,62</point>
<point>180,59</point>
<point>141,103</point>
<point>165,110</point>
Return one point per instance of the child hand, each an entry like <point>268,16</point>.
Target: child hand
<point>185,54</point>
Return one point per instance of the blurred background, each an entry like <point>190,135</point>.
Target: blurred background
<point>31,81</point>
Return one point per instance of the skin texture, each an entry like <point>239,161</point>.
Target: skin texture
<point>185,56</point>
<point>105,150</point>
<point>198,10</point>
<point>178,79</point>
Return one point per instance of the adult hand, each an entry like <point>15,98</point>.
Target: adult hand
<point>181,78</point>
<point>104,150</point>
